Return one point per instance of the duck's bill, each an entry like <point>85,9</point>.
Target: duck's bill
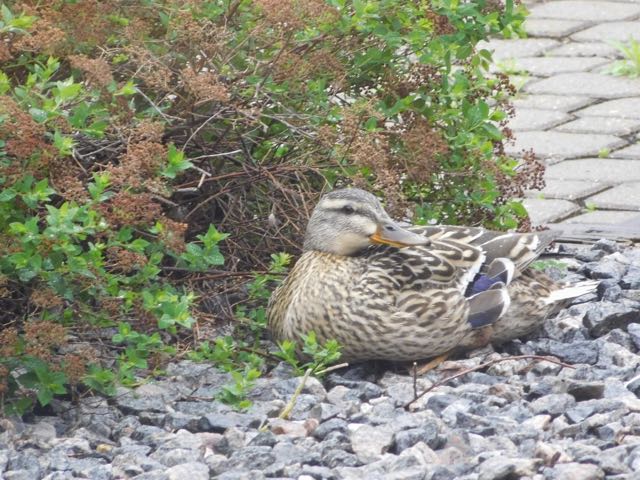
<point>396,236</point>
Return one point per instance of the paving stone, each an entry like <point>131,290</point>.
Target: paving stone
<point>586,83</point>
<point>587,49</point>
<point>568,189</point>
<point>620,31</point>
<point>596,169</point>
<point>603,216</point>
<point>621,197</point>
<point>522,47</point>
<point>547,66</point>
<point>631,152</point>
<point>536,27</point>
<point>559,145</point>
<point>545,211</point>
<point>623,107</point>
<point>584,10</point>
<point>564,103</point>
<point>535,119</point>
<point>608,125</point>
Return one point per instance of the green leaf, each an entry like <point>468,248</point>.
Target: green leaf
<point>127,89</point>
<point>67,90</point>
<point>176,162</point>
<point>5,83</point>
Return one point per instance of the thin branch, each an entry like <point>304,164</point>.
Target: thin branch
<point>444,381</point>
<point>332,368</point>
<point>286,411</point>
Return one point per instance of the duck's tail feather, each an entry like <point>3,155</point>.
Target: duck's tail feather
<point>487,307</point>
<point>573,291</point>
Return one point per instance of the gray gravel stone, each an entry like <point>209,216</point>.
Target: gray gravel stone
<point>553,404</point>
<point>332,425</point>
<point>191,471</point>
<point>631,279</point>
<point>606,316</point>
<point>369,443</point>
<point>501,468</point>
<point>219,422</point>
<point>576,352</point>
<point>573,471</point>
<point>634,331</point>
<point>428,434</point>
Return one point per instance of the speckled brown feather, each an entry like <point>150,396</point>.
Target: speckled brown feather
<point>409,303</point>
<point>385,304</point>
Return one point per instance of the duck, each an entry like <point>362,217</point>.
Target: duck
<point>390,291</point>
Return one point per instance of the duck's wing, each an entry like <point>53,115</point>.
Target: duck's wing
<point>434,281</point>
<point>443,263</point>
<point>520,248</point>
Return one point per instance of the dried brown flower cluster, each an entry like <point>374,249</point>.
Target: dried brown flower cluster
<point>75,367</point>
<point>130,209</point>
<point>441,24</point>
<point>44,36</point>
<point>291,15</point>
<point>424,149</point>
<point>45,298</point>
<point>200,36</point>
<point>297,67</point>
<point>85,20</point>
<point>25,136</point>
<point>417,77</point>
<point>372,151</point>
<point>97,71</point>
<point>41,337</point>
<point>153,71</point>
<point>204,86</point>
<point>68,179</point>
<point>8,341</point>
<point>173,234</point>
<point>4,380</point>
<point>125,261</point>
<point>144,156</point>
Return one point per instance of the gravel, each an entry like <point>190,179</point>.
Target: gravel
<point>516,419</point>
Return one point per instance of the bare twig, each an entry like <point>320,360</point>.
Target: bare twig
<point>415,379</point>
<point>444,381</point>
<point>286,411</point>
<point>332,368</point>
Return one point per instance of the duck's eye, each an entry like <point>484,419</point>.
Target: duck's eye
<point>348,209</point>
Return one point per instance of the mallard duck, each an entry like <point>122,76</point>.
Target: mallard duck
<point>386,291</point>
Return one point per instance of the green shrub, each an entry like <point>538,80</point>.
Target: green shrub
<point>126,133</point>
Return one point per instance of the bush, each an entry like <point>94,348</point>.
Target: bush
<point>128,132</point>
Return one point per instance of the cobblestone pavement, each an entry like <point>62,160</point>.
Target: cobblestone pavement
<point>584,123</point>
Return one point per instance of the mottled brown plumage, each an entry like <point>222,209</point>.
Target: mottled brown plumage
<point>406,303</point>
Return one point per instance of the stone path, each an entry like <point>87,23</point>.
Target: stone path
<point>584,123</point>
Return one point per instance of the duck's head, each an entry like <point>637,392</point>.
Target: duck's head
<point>347,221</point>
